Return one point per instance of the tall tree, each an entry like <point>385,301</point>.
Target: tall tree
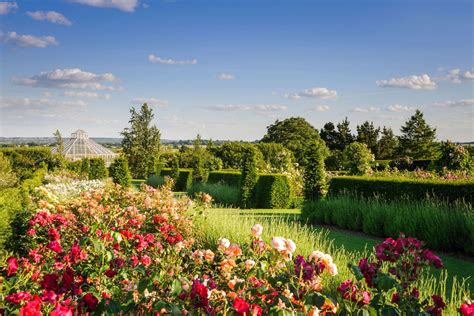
<point>368,134</point>
<point>141,142</point>
<point>295,133</point>
<point>418,139</point>
<point>344,135</point>
<point>329,135</point>
<point>387,144</point>
<point>59,142</point>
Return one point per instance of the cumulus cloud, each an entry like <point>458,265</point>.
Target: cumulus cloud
<point>73,78</point>
<point>469,74</point>
<point>242,107</point>
<point>150,101</point>
<point>400,108</point>
<point>316,92</point>
<point>50,16</point>
<point>12,105</point>
<point>456,104</point>
<point>86,94</point>
<point>366,110</point>
<point>28,40</point>
<point>124,5</point>
<point>320,108</point>
<point>457,75</point>
<point>168,61</point>
<point>414,82</point>
<point>7,7</point>
<point>225,76</point>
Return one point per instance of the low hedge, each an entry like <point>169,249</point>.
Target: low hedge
<point>231,178</point>
<point>273,191</point>
<point>400,188</point>
<point>222,194</point>
<point>184,181</point>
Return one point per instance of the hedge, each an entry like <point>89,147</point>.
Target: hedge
<point>25,160</point>
<point>400,188</point>
<point>231,178</point>
<point>222,194</point>
<point>273,191</point>
<point>184,181</point>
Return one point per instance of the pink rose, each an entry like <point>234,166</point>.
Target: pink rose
<point>257,230</point>
<point>279,243</point>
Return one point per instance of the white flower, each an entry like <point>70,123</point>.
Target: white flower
<point>279,243</point>
<point>257,230</point>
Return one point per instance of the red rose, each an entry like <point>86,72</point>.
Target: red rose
<point>18,297</point>
<point>53,234</point>
<point>55,246</point>
<point>62,310</point>
<point>90,300</point>
<point>110,273</point>
<point>146,260</point>
<point>241,306</point>
<point>256,310</point>
<point>467,309</point>
<point>49,282</point>
<point>12,266</point>
<point>32,308</point>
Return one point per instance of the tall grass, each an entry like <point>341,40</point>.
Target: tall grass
<point>231,224</point>
<point>222,194</point>
<point>442,226</point>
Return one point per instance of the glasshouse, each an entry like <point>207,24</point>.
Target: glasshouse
<point>81,146</point>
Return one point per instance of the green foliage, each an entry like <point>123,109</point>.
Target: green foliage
<point>249,176</point>
<point>454,157</point>
<point>74,166</point>
<point>231,154</point>
<point>344,135</point>
<point>97,169</point>
<point>85,166</point>
<point>334,162</point>
<point>294,133</point>
<point>184,181</point>
<point>418,138</point>
<point>27,186</point>
<point>120,173</point>
<point>174,168</point>
<point>10,204</point>
<point>7,176</point>
<point>221,193</point>
<point>155,181</point>
<point>273,191</point>
<point>404,188</point>
<point>315,173</point>
<point>387,145</point>
<point>141,142</point>
<point>26,160</point>
<point>368,134</point>
<point>231,178</point>
<point>330,135</point>
<point>381,165</point>
<point>277,158</point>
<point>357,158</point>
<point>440,225</point>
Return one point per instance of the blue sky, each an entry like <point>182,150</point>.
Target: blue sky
<point>227,69</point>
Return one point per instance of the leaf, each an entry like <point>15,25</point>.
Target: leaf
<point>356,271</point>
<point>315,299</point>
<point>176,287</point>
<point>385,282</point>
<point>143,284</point>
<point>388,310</point>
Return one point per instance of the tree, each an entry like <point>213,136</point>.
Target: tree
<point>454,157</point>
<point>344,135</point>
<point>249,177</point>
<point>277,158</point>
<point>294,133</point>
<point>231,154</point>
<point>368,134</point>
<point>387,144</point>
<point>59,143</point>
<point>199,160</point>
<point>120,172</point>
<point>315,186</point>
<point>357,158</point>
<point>418,138</point>
<point>141,142</point>
<point>330,135</point>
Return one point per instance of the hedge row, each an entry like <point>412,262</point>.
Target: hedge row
<point>184,181</point>
<point>399,188</point>
<point>25,160</point>
<point>222,194</point>
<point>273,191</point>
<point>225,177</point>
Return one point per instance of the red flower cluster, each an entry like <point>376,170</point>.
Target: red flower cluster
<point>349,290</point>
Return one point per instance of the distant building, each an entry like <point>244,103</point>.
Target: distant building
<point>81,146</point>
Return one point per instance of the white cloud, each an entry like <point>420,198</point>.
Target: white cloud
<point>225,76</point>
<point>400,108</point>
<point>86,94</point>
<point>422,82</point>
<point>456,104</point>
<point>168,61</point>
<point>366,110</point>
<point>51,16</point>
<point>32,106</point>
<point>28,40</point>
<point>241,107</point>
<point>73,78</point>
<point>316,92</point>
<point>457,75</point>
<point>7,7</point>
<point>150,101</point>
<point>469,74</point>
<point>124,5</point>
<point>320,108</point>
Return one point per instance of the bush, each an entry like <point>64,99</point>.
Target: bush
<point>273,191</point>
<point>27,186</point>
<point>334,161</point>
<point>26,160</point>
<point>184,181</point>
<point>404,188</point>
<point>223,194</point>
<point>97,169</point>
<point>231,178</point>
<point>120,172</point>
<point>314,176</point>
<point>155,181</point>
<point>357,158</point>
<point>74,166</point>
<point>454,157</point>
<point>380,165</point>
<point>440,225</point>
<point>10,204</point>
<point>249,176</point>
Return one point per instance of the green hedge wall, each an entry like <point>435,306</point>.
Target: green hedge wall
<point>222,194</point>
<point>399,188</point>
<point>184,181</point>
<point>273,191</point>
<point>231,178</point>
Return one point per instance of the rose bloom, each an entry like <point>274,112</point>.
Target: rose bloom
<point>223,244</point>
<point>332,269</point>
<point>12,266</point>
<point>227,265</point>
<point>233,251</point>
<point>146,260</point>
<point>249,263</point>
<point>257,230</point>
<point>290,245</point>
<point>209,255</point>
<point>279,243</point>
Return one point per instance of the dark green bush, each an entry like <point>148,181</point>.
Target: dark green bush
<point>249,177</point>
<point>97,169</point>
<point>380,165</point>
<point>155,181</point>
<point>223,194</point>
<point>120,173</point>
<point>184,181</point>
<point>231,178</point>
<point>273,191</point>
<point>314,177</point>
<point>404,188</point>
<point>74,166</point>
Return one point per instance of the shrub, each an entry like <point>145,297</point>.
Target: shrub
<point>97,169</point>
<point>85,166</point>
<point>184,181</point>
<point>404,188</point>
<point>7,176</point>
<point>74,166</point>
<point>273,191</point>
<point>120,172</point>
<point>314,173</point>
<point>380,165</point>
<point>231,178</point>
<point>155,181</point>
<point>357,158</point>
<point>249,176</point>
<point>26,160</point>
<point>221,193</point>
<point>454,157</point>
<point>334,161</point>
<point>10,204</point>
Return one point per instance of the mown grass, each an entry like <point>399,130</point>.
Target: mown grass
<point>235,225</point>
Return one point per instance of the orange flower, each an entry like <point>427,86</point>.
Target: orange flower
<point>227,265</point>
<point>233,251</point>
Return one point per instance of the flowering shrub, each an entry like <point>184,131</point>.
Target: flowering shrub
<point>63,191</point>
<point>387,284</point>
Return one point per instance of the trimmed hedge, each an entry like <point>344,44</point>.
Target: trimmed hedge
<point>231,178</point>
<point>273,191</point>
<point>222,194</point>
<point>399,188</point>
<point>184,181</point>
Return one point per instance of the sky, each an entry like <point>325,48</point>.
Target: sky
<point>227,69</point>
